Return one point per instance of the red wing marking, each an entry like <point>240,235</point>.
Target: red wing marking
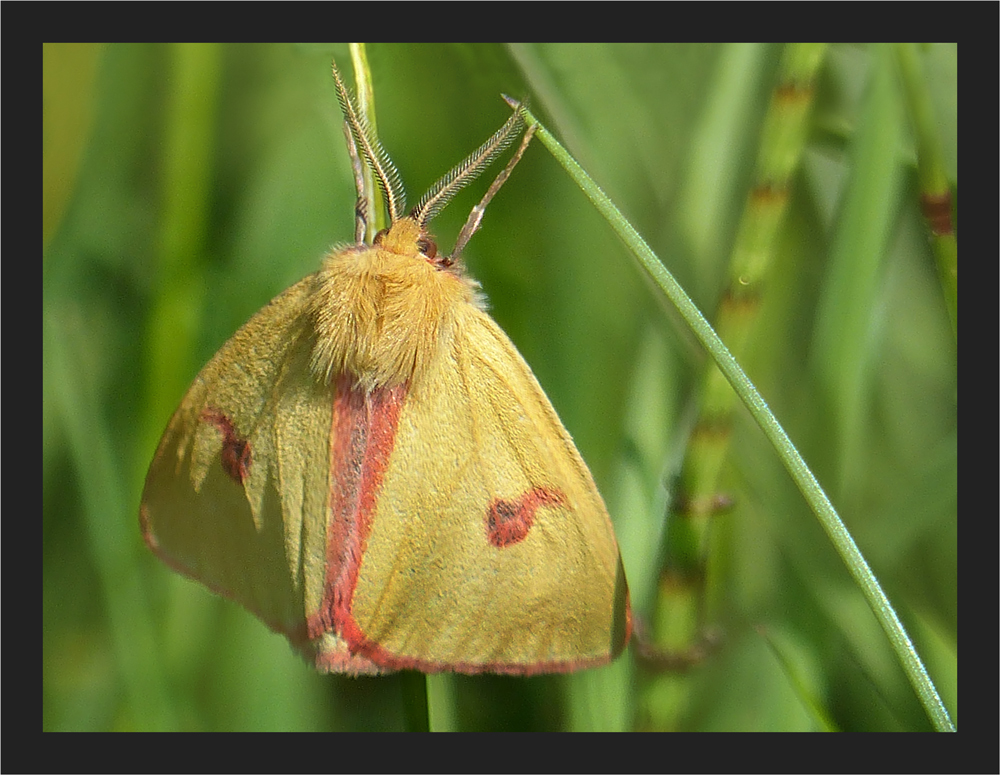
<point>364,432</point>
<point>509,520</point>
<point>236,455</point>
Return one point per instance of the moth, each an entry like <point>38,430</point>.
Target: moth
<point>371,468</point>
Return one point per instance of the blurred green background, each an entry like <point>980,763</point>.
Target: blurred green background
<point>186,185</point>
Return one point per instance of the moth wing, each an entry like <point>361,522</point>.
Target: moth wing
<point>236,494</point>
<point>477,443</point>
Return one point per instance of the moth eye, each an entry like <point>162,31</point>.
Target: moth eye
<point>427,247</point>
<point>380,236</point>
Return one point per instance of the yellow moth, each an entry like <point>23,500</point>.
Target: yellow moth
<point>370,467</point>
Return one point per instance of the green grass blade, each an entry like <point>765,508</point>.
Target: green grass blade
<point>844,337</point>
<point>109,520</point>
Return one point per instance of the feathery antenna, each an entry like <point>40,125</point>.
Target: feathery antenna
<point>461,175</point>
<point>372,152</point>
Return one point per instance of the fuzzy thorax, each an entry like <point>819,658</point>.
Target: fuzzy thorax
<point>382,310</point>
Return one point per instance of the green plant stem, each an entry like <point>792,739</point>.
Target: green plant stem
<point>781,144</point>
<point>935,189</point>
<point>796,466</point>
<point>441,716</point>
<point>366,104</point>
